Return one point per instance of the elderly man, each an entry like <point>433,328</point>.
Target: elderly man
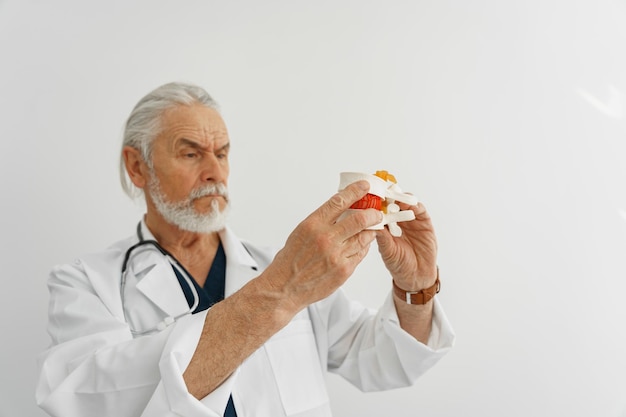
<point>185,319</point>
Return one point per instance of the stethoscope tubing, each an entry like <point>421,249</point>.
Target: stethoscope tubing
<point>174,262</point>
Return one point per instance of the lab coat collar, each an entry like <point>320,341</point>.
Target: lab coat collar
<point>155,278</point>
<point>233,247</point>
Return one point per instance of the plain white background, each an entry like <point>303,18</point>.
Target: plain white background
<point>507,119</point>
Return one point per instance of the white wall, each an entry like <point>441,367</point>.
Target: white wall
<point>506,118</point>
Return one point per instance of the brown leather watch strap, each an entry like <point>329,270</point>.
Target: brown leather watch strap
<point>418,297</point>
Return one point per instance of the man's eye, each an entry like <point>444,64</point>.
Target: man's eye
<point>191,155</point>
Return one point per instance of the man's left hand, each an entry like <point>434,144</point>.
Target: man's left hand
<point>411,258</point>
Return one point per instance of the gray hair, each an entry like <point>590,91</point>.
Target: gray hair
<point>144,123</point>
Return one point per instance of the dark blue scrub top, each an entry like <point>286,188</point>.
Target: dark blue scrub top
<point>213,290</point>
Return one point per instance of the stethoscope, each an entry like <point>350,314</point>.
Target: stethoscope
<point>130,253</point>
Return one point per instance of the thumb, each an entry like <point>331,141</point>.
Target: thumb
<point>384,240</point>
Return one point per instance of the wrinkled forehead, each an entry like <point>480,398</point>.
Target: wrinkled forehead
<point>196,123</point>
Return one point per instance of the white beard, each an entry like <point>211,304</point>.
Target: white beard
<point>183,214</point>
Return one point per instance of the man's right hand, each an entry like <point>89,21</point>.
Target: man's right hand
<point>324,249</point>
<point>318,257</point>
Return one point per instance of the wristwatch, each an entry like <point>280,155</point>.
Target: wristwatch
<point>418,297</point>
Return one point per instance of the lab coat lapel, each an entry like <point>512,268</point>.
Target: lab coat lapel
<point>154,277</point>
<point>240,266</point>
<point>160,285</point>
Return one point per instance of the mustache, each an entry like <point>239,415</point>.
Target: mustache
<point>210,189</point>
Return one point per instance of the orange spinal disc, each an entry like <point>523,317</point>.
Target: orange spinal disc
<point>369,201</point>
<point>386,176</point>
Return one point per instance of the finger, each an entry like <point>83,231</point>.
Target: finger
<point>362,240</point>
<point>419,209</point>
<point>421,222</point>
<point>361,243</point>
<point>340,202</point>
<point>384,240</point>
<point>356,221</point>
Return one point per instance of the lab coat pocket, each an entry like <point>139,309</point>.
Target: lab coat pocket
<point>294,359</point>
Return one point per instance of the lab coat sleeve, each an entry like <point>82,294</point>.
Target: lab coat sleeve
<point>94,367</point>
<point>172,393</point>
<point>370,349</point>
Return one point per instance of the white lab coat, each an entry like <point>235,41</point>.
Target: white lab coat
<point>94,366</point>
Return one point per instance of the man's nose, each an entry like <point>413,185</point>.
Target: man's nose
<point>215,169</point>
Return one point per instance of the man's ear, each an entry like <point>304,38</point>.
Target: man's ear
<point>135,166</point>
